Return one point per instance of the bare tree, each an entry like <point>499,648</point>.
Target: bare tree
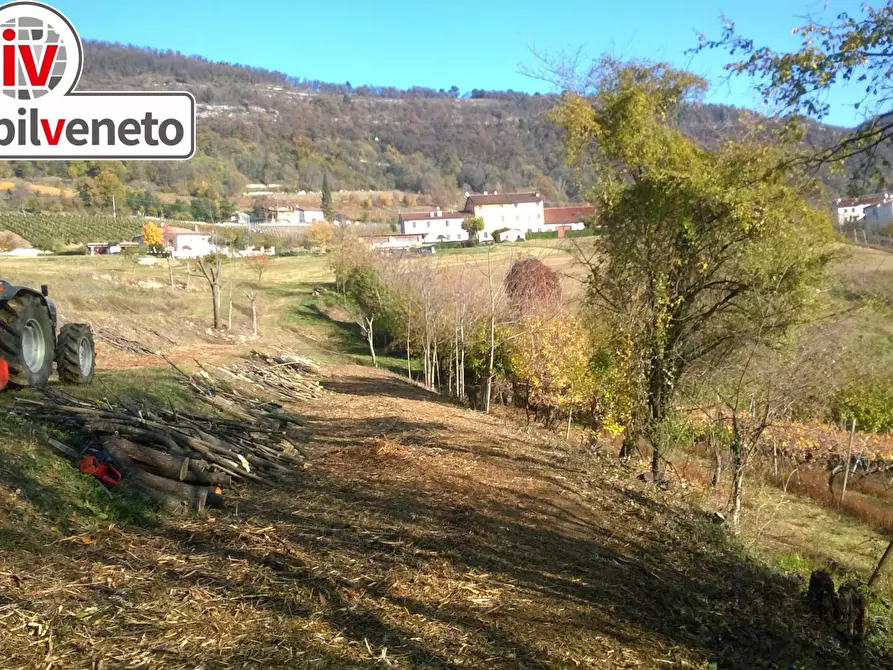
<point>212,267</point>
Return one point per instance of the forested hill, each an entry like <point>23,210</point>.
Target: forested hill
<point>262,126</point>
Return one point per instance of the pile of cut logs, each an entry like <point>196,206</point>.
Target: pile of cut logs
<point>178,459</point>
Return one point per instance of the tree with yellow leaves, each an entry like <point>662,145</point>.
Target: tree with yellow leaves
<point>152,235</point>
<point>320,235</point>
<point>552,358</point>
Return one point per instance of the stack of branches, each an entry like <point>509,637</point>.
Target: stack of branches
<point>233,401</point>
<point>178,459</point>
<point>123,343</point>
<point>286,377</point>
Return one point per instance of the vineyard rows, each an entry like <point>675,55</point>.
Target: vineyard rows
<point>54,231</point>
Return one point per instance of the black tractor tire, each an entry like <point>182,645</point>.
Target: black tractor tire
<point>27,341</point>
<point>75,354</point>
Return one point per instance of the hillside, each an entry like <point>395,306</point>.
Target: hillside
<point>261,126</point>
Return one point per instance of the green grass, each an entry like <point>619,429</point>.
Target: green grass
<point>55,498</point>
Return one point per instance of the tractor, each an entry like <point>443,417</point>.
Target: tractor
<point>29,345</point>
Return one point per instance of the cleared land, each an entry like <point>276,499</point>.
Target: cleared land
<point>422,535</point>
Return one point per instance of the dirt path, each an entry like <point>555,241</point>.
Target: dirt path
<point>423,536</point>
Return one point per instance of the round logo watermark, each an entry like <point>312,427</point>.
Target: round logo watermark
<point>41,52</point>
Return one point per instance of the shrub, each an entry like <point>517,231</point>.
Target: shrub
<point>871,405</point>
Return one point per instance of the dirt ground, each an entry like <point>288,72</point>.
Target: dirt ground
<point>423,535</point>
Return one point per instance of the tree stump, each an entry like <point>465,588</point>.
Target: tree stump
<point>846,608</point>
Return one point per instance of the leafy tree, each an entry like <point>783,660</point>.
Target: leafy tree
<point>847,50</point>
<point>690,236</point>
<point>8,242</point>
<point>320,235</point>
<point>474,226</point>
<point>367,294</point>
<point>152,235</point>
<point>104,191</point>
<point>259,263</point>
<point>328,208</point>
<point>551,357</point>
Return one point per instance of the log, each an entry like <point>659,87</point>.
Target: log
<point>170,494</point>
<point>174,467</point>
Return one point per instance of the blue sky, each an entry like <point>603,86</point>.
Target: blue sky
<point>440,44</point>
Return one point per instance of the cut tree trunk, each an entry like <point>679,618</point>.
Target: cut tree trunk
<point>182,469</point>
<point>169,494</point>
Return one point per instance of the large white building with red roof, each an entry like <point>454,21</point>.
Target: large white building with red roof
<point>518,213</point>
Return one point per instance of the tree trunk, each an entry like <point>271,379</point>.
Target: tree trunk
<point>490,363</point>
<point>188,275</point>
<point>170,271</point>
<point>215,298</point>
<point>737,482</point>
<point>570,415</point>
<point>881,564</point>
<point>629,444</point>
<point>229,320</point>
<point>370,337</point>
<point>254,316</point>
<point>408,338</point>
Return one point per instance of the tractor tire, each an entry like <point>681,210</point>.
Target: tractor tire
<point>75,354</point>
<point>27,341</point>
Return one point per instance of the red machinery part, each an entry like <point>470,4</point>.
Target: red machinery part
<point>4,374</point>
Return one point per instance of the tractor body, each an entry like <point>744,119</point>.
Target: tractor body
<point>30,344</point>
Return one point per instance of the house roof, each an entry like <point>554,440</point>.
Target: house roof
<point>424,216</point>
<point>874,199</point>
<point>172,230</point>
<point>478,199</point>
<point>573,214</point>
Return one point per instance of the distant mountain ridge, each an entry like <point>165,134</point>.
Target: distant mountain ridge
<point>257,125</point>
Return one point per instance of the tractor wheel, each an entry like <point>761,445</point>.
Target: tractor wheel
<point>27,342</point>
<point>75,354</point>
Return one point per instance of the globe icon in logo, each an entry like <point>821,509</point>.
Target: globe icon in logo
<point>34,42</point>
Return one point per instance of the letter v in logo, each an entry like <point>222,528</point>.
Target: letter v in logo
<point>52,138</point>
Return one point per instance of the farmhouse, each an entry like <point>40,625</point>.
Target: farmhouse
<point>184,243</point>
<point>853,210</point>
<point>564,219</point>
<point>521,211</point>
<point>435,226</point>
<point>292,215</point>
<point>514,213</point>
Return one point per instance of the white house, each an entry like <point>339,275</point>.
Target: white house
<point>878,216</point>
<point>184,243</point>
<point>308,216</point>
<point>852,210</point>
<point>241,218</point>
<point>435,226</point>
<point>521,211</point>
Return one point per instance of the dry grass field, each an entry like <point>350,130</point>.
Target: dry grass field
<point>422,534</point>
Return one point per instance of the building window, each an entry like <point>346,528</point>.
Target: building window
<point>427,224</point>
<point>413,224</point>
<point>502,219</point>
<point>447,224</point>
